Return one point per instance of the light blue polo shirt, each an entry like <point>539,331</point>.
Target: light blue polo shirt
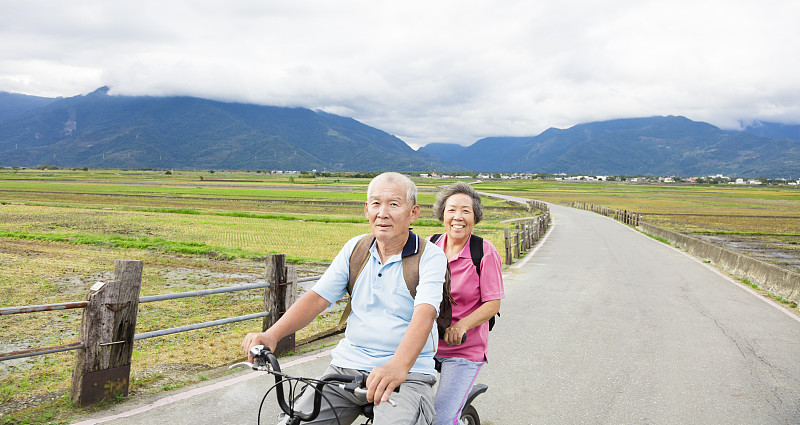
<point>382,305</point>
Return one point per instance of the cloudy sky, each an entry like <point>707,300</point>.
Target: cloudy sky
<point>425,71</point>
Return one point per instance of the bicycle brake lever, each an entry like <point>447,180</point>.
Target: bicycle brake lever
<point>254,366</point>
<point>241,364</point>
<point>363,391</point>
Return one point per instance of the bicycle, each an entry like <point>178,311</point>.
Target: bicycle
<point>265,361</point>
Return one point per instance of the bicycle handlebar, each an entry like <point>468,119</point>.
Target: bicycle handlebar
<point>265,361</point>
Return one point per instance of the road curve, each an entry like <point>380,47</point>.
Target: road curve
<point>604,325</point>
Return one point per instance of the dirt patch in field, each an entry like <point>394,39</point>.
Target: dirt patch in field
<point>784,253</point>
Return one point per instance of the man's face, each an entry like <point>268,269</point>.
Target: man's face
<point>389,213</point>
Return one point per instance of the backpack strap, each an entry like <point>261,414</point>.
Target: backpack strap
<point>358,259</point>
<point>476,251</point>
<point>411,266</point>
<point>412,253</point>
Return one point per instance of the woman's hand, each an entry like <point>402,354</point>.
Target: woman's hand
<point>454,334</point>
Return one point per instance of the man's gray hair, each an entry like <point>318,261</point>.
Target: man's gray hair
<point>411,188</point>
<point>455,189</point>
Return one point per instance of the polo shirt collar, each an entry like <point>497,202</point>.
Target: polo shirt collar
<point>412,244</point>
<point>465,252</point>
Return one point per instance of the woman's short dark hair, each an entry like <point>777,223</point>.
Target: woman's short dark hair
<point>454,189</point>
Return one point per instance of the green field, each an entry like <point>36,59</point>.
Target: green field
<point>61,230</point>
<point>749,210</point>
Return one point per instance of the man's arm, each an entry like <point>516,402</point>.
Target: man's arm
<point>384,379</point>
<point>301,313</point>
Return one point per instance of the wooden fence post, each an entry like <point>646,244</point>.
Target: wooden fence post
<point>516,240</point>
<point>507,239</point>
<point>103,365</point>
<point>280,294</point>
<point>524,228</point>
<point>528,234</point>
<point>539,221</point>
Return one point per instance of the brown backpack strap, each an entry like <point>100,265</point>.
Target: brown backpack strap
<point>411,267</point>
<point>358,259</point>
<point>411,272</point>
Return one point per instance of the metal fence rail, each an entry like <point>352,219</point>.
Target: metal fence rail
<point>163,332</point>
<point>40,351</point>
<point>139,336</point>
<point>42,307</point>
<point>201,292</point>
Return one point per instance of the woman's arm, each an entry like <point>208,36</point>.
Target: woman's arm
<point>456,331</point>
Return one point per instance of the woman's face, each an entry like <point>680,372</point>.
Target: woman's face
<point>459,218</point>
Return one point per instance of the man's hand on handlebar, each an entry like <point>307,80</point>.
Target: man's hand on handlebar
<point>258,338</point>
<point>383,380</point>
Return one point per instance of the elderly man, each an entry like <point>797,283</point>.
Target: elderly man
<point>390,334</point>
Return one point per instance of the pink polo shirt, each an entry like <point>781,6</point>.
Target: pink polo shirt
<point>469,293</point>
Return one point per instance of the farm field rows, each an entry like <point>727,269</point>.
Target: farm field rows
<point>60,235</point>
<point>761,221</point>
<point>61,230</point>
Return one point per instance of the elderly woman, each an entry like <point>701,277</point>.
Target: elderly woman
<point>476,290</point>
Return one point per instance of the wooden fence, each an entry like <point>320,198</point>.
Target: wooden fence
<point>107,330</point>
<point>523,236</point>
<point>628,217</point>
<point>526,232</point>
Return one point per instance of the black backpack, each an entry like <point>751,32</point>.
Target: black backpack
<point>359,257</point>
<point>476,252</point>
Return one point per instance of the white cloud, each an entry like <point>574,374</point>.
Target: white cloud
<point>445,71</point>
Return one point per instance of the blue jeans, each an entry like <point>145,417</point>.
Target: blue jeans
<point>457,377</point>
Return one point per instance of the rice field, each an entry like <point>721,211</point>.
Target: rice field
<point>61,231</point>
<point>765,210</point>
<point>760,221</point>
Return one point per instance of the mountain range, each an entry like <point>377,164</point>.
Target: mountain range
<point>671,145</point>
<point>99,130</point>
<point>102,131</point>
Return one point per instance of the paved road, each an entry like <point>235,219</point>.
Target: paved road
<point>602,325</point>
